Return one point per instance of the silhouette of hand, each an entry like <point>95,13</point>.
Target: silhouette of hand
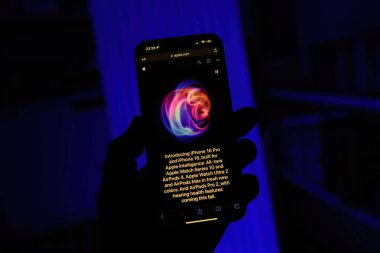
<point>128,197</point>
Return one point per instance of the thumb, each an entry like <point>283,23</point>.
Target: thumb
<point>120,163</point>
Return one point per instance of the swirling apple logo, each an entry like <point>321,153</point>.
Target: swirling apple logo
<point>185,111</point>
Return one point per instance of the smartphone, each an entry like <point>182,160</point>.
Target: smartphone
<point>185,104</point>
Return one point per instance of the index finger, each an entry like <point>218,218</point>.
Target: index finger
<point>120,164</point>
<point>127,147</point>
<point>244,120</point>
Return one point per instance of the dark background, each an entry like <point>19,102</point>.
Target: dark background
<point>316,69</point>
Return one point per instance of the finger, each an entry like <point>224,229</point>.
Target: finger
<point>116,180</point>
<point>244,120</point>
<point>120,165</point>
<point>130,143</point>
<point>241,154</point>
<point>126,147</point>
<point>247,190</point>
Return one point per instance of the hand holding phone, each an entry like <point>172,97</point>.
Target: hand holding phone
<point>128,199</point>
<point>186,106</point>
<point>192,185</point>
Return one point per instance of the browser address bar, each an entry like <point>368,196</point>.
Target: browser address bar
<point>179,54</point>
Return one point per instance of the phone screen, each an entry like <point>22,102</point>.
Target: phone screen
<point>186,107</point>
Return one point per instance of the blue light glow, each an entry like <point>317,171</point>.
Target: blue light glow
<point>120,25</point>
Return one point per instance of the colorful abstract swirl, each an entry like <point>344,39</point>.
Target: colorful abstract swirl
<point>185,111</point>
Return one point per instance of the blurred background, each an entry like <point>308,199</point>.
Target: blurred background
<point>315,71</point>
